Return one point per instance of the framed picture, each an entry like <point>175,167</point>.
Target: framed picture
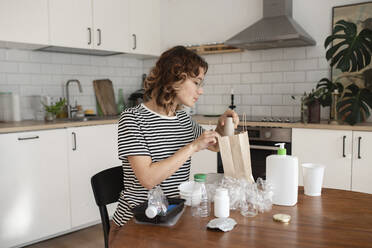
<point>361,15</point>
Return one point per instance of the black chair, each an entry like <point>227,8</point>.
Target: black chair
<point>107,186</point>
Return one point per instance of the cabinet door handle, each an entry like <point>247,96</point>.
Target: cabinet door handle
<point>28,138</point>
<point>343,146</point>
<point>134,41</point>
<point>89,36</point>
<point>99,37</point>
<point>359,138</point>
<point>74,138</point>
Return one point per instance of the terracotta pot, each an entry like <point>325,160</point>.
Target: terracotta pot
<point>314,112</point>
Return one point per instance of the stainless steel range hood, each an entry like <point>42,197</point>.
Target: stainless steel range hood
<point>59,49</point>
<point>276,29</point>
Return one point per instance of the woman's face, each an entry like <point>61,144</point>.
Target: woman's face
<point>190,90</point>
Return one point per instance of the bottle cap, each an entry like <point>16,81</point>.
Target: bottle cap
<point>151,212</point>
<point>200,177</point>
<point>285,218</point>
<point>281,150</point>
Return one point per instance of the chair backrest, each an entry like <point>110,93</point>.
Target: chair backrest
<point>107,186</point>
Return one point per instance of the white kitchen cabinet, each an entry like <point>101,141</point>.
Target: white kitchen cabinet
<point>34,186</point>
<point>144,20</point>
<point>91,149</point>
<point>332,148</point>
<point>362,162</point>
<point>204,161</point>
<point>24,21</point>
<point>88,24</point>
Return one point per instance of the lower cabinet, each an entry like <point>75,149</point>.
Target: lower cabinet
<point>204,161</point>
<point>91,149</point>
<point>34,183</point>
<point>345,154</point>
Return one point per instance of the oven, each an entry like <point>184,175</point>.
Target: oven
<point>262,142</point>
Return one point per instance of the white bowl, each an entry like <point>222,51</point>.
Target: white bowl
<point>186,187</point>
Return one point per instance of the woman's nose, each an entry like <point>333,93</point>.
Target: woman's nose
<point>200,91</point>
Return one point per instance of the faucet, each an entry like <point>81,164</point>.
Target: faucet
<point>71,109</point>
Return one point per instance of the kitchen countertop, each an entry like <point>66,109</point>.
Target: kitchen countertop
<point>30,125</point>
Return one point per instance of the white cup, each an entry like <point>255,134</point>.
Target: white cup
<point>313,178</point>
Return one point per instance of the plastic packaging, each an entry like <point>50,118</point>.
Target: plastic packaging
<point>200,206</point>
<point>282,174</point>
<point>229,127</point>
<point>157,203</point>
<point>221,203</point>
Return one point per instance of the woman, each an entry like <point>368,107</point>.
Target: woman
<point>157,138</point>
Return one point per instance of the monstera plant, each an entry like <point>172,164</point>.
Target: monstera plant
<point>351,53</point>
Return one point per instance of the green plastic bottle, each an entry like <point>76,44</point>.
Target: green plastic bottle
<point>121,103</point>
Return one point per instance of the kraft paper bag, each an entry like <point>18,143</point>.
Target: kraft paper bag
<point>236,157</point>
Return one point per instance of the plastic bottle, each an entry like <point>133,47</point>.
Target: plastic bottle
<point>199,198</point>
<point>221,203</point>
<point>282,174</point>
<point>157,203</point>
<point>121,103</point>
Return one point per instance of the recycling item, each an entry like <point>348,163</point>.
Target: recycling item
<point>282,174</point>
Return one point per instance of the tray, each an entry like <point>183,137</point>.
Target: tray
<point>139,212</point>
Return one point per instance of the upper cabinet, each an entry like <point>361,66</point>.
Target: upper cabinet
<point>144,20</point>
<point>24,21</point>
<point>88,24</point>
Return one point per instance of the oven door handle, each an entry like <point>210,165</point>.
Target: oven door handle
<point>272,148</point>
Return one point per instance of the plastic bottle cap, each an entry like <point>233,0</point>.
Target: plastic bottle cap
<point>200,177</point>
<point>285,218</point>
<point>151,212</point>
<point>281,150</point>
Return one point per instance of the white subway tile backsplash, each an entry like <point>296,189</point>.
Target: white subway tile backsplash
<point>40,57</point>
<point>271,99</point>
<point>272,54</point>
<point>241,67</point>
<point>18,79</point>
<point>306,64</point>
<point>40,79</point>
<point>149,63</point>
<point>29,90</point>
<point>315,76</point>
<point>293,77</point>
<point>2,54</point>
<point>261,89</point>
<point>283,88</point>
<point>29,68</point>
<point>261,66</point>
<point>221,68</point>
<point>205,109</point>
<point>212,79</point>
<point>115,61</point>
<point>282,65</point>
<point>231,79</point>
<point>220,109</point>
<point>71,69</point>
<point>261,110</point>
<point>282,111</point>
<point>61,58</point>
<point>294,53</point>
<point>226,99</point>
<point>251,78</point>
<point>288,100</point>
<point>51,68</point>
<point>249,56</point>
<point>213,59</point>
<point>213,99</point>
<point>106,71</point>
<point>272,77</point>
<point>231,58</point>
<point>80,60</point>
<point>300,88</point>
<point>222,89</point>
<point>8,67</point>
<point>121,71</point>
<point>99,61</point>
<point>242,89</point>
<point>323,64</point>
<point>132,62</point>
<point>315,52</point>
<point>250,99</point>
<point>9,88</point>
<point>244,109</point>
<point>17,55</point>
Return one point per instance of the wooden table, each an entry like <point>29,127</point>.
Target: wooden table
<point>336,219</point>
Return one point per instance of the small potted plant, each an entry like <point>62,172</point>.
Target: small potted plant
<point>54,109</point>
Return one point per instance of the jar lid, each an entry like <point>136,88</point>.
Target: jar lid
<point>200,177</point>
<point>285,218</point>
<point>151,212</point>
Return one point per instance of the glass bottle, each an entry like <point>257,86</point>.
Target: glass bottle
<point>199,199</point>
<point>121,103</point>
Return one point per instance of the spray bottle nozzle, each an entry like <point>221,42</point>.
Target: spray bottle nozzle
<point>281,150</point>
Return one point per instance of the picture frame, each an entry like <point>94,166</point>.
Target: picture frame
<point>361,15</point>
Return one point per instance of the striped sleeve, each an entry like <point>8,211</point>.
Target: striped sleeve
<point>197,129</point>
<point>131,140</point>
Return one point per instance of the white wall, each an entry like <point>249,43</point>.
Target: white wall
<point>30,73</point>
<point>264,80</point>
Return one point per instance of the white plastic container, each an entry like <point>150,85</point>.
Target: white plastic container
<point>282,174</point>
<point>221,203</point>
<point>313,178</point>
<point>229,127</point>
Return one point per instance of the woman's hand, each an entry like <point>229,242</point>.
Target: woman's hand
<point>208,138</point>
<point>222,120</point>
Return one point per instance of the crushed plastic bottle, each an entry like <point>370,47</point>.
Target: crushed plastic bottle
<point>157,203</point>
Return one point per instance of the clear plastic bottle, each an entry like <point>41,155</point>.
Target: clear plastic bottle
<point>157,203</point>
<point>200,205</point>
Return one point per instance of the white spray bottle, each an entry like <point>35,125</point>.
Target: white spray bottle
<point>282,174</point>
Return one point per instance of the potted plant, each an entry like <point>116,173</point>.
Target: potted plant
<point>352,55</point>
<point>54,109</point>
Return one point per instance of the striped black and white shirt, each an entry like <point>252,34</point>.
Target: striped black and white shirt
<point>143,132</point>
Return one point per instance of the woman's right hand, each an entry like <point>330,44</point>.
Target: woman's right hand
<point>208,138</point>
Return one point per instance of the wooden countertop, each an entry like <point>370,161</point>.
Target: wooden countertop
<point>323,125</point>
<point>22,126</point>
<point>337,218</point>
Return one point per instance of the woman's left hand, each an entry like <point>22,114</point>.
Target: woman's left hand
<point>222,120</point>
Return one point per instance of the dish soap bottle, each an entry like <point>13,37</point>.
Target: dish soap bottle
<point>282,174</point>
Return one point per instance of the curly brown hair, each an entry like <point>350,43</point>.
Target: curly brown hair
<point>169,71</point>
